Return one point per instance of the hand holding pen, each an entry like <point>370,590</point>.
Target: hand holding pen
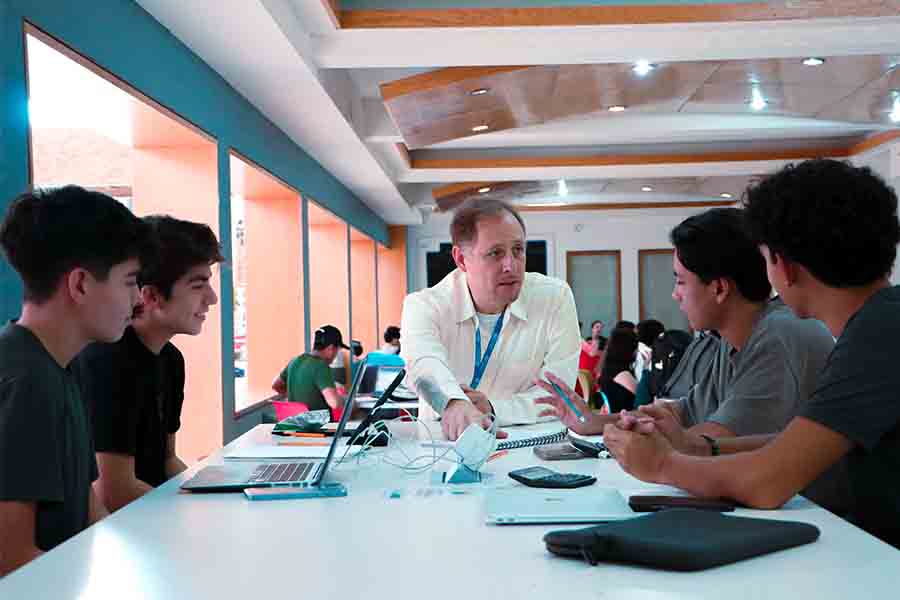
<point>564,403</point>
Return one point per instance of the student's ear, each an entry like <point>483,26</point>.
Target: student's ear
<point>151,297</point>
<point>459,258</point>
<point>78,283</point>
<point>788,270</point>
<point>722,288</point>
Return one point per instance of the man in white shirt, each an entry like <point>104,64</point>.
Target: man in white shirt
<point>475,342</point>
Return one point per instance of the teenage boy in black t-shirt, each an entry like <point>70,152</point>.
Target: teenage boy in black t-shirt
<point>78,254</point>
<point>135,388</point>
<point>828,232</point>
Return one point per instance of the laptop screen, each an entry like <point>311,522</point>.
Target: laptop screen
<point>385,377</point>
<point>348,408</point>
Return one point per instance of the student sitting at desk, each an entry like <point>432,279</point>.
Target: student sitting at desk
<point>308,378</point>
<point>768,361</point>
<point>474,342</point>
<point>829,234</point>
<point>135,387</point>
<point>78,254</point>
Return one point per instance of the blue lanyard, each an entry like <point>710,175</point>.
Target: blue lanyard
<point>481,362</point>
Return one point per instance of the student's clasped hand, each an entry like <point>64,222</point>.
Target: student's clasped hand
<point>559,408</point>
<point>638,446</point>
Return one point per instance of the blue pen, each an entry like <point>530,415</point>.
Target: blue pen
<point>568,401</point>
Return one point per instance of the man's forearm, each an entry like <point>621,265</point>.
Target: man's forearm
<point>118,494</point>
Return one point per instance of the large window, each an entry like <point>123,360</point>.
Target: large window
<point>267,270</point>
<point>655,280</point>
<point>90,129</point>
<point>595,277</point>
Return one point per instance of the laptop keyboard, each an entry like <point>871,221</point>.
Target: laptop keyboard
<point>281,472</point>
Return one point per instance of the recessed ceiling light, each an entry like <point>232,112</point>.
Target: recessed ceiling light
<point>480,128</point>
<point>646,188</point>
<point>642,67</point>
<point>616,108</point>
<point>813,61</point>
<point>484,190</point>
<point>563,190</point>
<point>479,92</point>
<point>725,195</point>
<point>758,102</point>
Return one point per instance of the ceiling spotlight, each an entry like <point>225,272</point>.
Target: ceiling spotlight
<point>484,190</point>
<point>894,115</point>
<point>758,102</point>
<point>616,108</point>
<point>642,67</point>
<point>563,190</point>
<point>479,92</point>
<point>646,188</point>
<point>478,128</point>
<point>813,61</point>
<point>725,195</point>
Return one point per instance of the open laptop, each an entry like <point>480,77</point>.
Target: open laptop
<point>377,380</point>
<point>235,477</point>
<point>525,505</point>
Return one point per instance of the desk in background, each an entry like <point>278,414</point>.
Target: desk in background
<point>169,545</point>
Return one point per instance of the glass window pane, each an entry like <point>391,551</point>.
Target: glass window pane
<point>594,277</point>
<point>656,281</point>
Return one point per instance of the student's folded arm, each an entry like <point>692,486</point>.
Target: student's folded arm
<point>96,509</point>
<point>279,386</point>
<point>117,484</point>
<point>765,478</point>
<point>427,364</point>
<point>561,359</point>
<point>17,544</point>
<point>332,398</point>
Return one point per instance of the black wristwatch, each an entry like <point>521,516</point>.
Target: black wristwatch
<point>713,444</point>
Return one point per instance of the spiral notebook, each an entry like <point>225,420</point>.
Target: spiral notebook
<point>538,440</point>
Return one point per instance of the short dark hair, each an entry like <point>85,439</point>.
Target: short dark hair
<point>624,325</point>
<point>648,330</point>
<point>182,245</point>
<point>48,232</point>
<point>463,228</point>
<point>717,243</point>
<point>837,220</point>
<point>594,322</point>
<point>391,333</point>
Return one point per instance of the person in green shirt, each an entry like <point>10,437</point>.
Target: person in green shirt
<point>308,378</point>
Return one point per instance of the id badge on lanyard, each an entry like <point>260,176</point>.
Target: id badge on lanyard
<point>481,362</point>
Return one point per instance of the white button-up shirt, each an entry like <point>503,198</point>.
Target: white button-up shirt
<point>540,332</point>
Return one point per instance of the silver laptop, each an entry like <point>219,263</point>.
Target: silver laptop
<point>237,477</point>
<point>525,505</point>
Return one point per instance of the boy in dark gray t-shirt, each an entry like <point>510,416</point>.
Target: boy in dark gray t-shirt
<point>77,253</point>
<point>828,232</point>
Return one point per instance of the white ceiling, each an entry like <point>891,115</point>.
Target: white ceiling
<point>319,84</point>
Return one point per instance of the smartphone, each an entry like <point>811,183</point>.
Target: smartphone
<point>588,448</point>
<point>642,503</point>
<point>563,451</point>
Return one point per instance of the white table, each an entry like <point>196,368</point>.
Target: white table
<point>170,545</point>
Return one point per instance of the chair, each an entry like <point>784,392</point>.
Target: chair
<point>584,386</point>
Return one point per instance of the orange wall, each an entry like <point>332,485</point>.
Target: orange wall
<point>328,293</point>
<point>183,182</point>
<point>391,279</point>
<point>365,315</point>
<point>274,285</point>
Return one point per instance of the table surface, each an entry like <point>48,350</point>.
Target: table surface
<point>426,543</point>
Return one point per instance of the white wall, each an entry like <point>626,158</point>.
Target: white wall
<point>885,160</point>
<point>625,230</point>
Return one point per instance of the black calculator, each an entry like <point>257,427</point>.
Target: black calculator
<point>542,477</point>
